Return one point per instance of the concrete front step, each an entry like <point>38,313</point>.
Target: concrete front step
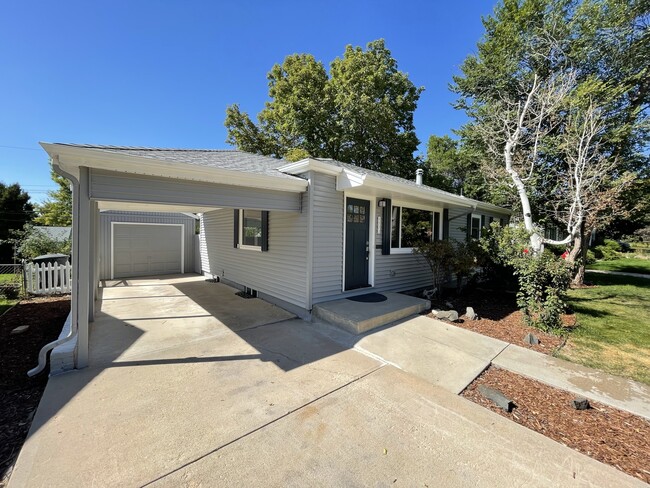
<point>359,317</point>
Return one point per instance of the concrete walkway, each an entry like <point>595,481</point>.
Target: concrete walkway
<point>175,396</point>
<point>618,273</point>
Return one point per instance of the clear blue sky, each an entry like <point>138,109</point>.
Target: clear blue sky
<point>162,73</point>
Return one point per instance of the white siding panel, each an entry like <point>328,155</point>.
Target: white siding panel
<point>400,272</point>
<point>281,272</point>
<point>327,270</point>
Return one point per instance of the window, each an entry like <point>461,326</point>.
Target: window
<point>251,229</point>
<point>475,229</point>
<point>409,226</point>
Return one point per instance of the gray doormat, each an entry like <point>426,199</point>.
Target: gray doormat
<point>369,298</point>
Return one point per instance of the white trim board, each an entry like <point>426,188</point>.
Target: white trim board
<point>114,223</point>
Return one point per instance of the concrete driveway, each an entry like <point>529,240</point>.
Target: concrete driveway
<point>189,385</point>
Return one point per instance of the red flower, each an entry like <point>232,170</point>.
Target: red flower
<point>565,255</point>
<point>525,251</point>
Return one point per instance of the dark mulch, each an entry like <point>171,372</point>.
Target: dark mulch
<point>500,319</point>
<point>19,394</point>
<point>606,434</point>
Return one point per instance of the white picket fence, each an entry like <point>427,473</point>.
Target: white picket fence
<point>48,278</point>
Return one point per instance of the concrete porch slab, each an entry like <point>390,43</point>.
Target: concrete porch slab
<point>359,317</point>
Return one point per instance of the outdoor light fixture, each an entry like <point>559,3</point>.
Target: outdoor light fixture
<point>381,203</point>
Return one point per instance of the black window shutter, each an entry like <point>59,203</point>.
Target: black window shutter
<point>236,227</point>
<point>469,226</point>
<point>436,226</point>
<point>491,219</point>
<point>265,230</point>
<point>501,222</point>
<point>386,227</point>
<point>482,221</point>
<point>445,224</point>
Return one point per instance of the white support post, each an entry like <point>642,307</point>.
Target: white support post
<point>83,266</point>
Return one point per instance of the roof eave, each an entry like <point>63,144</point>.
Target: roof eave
<point>76,156</point>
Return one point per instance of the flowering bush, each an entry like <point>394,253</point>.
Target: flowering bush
<point>543,278</point>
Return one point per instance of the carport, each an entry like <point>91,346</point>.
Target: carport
<point>152,180</point>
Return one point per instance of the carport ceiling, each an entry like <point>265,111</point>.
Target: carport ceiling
<point>152,207</point>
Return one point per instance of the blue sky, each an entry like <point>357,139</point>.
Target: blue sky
<point>162,73</point>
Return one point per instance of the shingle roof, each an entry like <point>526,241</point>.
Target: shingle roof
<point>228,159</point>
<point>404,181</point>
<point>56,233</point>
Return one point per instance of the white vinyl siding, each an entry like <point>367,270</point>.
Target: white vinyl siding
<point>281,272</point>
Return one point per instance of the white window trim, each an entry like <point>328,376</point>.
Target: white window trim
<point>241,235</point>
<point>114,223</point>
<point>402,204</point>
<point>480,220</point>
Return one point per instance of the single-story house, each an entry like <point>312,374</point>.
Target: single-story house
<point>295,234</point>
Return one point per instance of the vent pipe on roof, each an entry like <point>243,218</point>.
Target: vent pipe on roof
<point>418,176</point>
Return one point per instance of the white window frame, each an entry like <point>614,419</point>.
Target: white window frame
<point>240,244</point>
<point>400,204</point>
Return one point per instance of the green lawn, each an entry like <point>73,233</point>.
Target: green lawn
<point>629,265</point>
<point>613,331</point>
<point>10,278</point>
<point>6,304</point>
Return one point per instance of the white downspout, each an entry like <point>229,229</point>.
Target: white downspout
<point>72,333</point>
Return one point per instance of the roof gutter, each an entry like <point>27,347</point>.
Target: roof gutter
<point>72,332</point>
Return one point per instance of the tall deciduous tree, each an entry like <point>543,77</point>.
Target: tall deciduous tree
<point>361,113</point>
<point>15,212</point>
<point>558,97</point>
<point>57,210</point>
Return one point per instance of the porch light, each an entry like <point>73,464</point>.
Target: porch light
<point>381,203</point>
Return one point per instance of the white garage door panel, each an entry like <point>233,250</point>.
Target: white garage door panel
<point>142,250</point>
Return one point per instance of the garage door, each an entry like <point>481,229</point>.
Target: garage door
<point>144,250</point>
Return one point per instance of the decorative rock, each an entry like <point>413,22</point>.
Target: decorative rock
<point>580,403</point>
<point>496,397</point>
<point>531,339</point>
<point>19,330</point>
<point>450,315</point>
<point>470,314</point>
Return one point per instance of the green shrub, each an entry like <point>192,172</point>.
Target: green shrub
<point>608,251</point>
<point>543,278</point>
<point>10,292</point>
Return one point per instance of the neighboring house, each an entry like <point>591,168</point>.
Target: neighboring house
<point>55,233</point>
<point>296,233</point>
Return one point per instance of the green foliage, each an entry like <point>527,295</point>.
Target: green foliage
<point>57,210</point>
<point>452,167</point>
<point>605,43</point>
<point>15,212</point>
<point>362,113</point>
<point>608,251</point>
<point>32,241</point>
<point>543,279</point>
<point>447,259</point>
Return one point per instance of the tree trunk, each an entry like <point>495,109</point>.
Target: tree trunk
<point>578,256</point>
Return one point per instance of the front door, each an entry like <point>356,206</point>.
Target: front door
<point>357,244</point>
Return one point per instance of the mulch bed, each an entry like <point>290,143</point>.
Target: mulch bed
<point>604,433</point>
<point>19,394</point>
<point>500,319</point>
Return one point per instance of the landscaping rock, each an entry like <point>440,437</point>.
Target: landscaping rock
<point>580,403</point>
<point>531,339</point>
<point>450,315</point>
<point>19,330</point>
<point>496,397</point>
<point>471,314</point>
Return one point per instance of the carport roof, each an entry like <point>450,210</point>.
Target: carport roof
<point>228,159</point>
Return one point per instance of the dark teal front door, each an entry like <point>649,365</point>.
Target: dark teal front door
<point>357,245</point>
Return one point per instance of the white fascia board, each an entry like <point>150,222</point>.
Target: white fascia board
<point>309,164</point>
<point>72,156</point>
<point>424,193</point>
